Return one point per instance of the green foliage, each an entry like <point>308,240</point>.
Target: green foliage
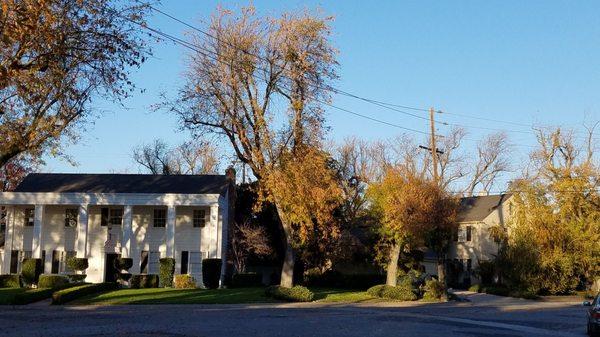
<point>123,263</point>
<point>335,279</point>
<point>293,294</point>
<point>242,280</point>
<point>211,273</point>
<point>401,292</point>
<point>434,291</point>
<point>76,278</point>
<point>77,263</point>
<point>486,270</point>
<point>70,294</point>
<point>52,281</point>
<point>476,288</point>
<point>139,281</point>
<point>31,270</point>
<point>184,281</point>
<point>167,269</point>
<point>32,295</point>
<point>10,281</point>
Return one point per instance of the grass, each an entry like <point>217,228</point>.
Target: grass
<point>7,295</point>
<point>214,296</point>
<point>177,296</point>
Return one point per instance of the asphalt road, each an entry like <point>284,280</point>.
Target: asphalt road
<point>484,315</point>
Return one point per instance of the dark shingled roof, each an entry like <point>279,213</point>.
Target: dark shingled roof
<point>123,183</point>
<point>478,208</point>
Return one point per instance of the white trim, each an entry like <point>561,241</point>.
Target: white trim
<point>52,198</point>
<point>36,241</point>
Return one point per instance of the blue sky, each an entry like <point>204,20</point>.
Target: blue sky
<point>529,62</point>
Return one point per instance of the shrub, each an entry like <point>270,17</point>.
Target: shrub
<point>167,269</point>
<point>70,294</point>
<point>123,263</point>
<point>497,290</point>
<point>31,296</point>
<point>486,271</point>
<point>434,291</point>
<point>477,288</point>
<point>52,281</point>
<point>76,278</point>
<point>211,273</point>
<point>10,281</point>
<point>31,270</point>
<point>77,263</point>
<point>293,294</point>
<point>246,280</point>
<point>184,281</point>
<point>144,281</point>
<point>400,292</point>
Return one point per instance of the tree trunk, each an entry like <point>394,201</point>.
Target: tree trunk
<point>392,268</point>
<point>441,270</point>
<point>287,270</point>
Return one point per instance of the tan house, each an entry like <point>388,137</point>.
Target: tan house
<point>472,241</point>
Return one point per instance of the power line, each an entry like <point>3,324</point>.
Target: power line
<point>207,53</point>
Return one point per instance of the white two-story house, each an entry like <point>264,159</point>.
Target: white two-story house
<point>105,216</point>
<point>473,242</point>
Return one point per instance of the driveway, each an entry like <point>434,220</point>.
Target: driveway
<point>484,315</point>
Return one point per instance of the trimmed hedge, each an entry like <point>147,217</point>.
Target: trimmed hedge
<point>400,292</point>
<point>78,263</point>
<point>211,273</point>
<point>31,270</point>
<point>335,279</point>
<point>10,281</point>
<point>434,291</point>
<point>139,281</point>
<point>76,278</point>
<point>32,295</point>
<point>246,280</point>
<point>123,263</point>
<point>501,290</point>
<point>70,294</point>
<point>52,281</point>
<point>166,271</point>
<point>184,282</point>
<point>293,294</point>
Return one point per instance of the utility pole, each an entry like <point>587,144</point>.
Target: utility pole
<point>433,145</point>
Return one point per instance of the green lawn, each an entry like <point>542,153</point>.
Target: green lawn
<point>204,296</point>
<point>178,296</point>
<point>7,294</point>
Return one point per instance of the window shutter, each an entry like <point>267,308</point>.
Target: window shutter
<point>144,262</point>
<point>468,233</point>
<point>104,216</point>
<point>184,262</point>
<point>55,261</point>
<point>14,261</point>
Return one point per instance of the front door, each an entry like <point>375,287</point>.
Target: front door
<point>110,270</point>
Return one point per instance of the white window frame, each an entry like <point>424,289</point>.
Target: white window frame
<point>29,217</point>
<point>114,215</point>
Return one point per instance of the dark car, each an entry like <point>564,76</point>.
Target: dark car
<point>593,323</point>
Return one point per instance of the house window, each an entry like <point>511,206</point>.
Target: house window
<point>153,262</point>
<point>71,217</point>
<point>29,217</point>
<point>469,233</point>
<point>199,218</point>
<point>116,216</point>
<point>195,265</point>
<point>160,217</point>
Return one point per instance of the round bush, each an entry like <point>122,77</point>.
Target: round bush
<point>31,270</point>
<point>211,273</point>
<point>10,281</point>
<point>184,282</point>
<point>434,291</point>
<point>52,281</point>
<point>144,281</point>
<point>166,271</point>
<point>76,278</point>
<point>293,294</point>
<point>400,293</point>
<point>123,263</point>
<point>77,263</point>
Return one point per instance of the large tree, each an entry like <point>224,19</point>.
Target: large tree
<point>191,157</point>
<point>259,82</point>
<point>55,57</point>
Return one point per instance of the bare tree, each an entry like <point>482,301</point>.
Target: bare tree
<point>192,157</point>
<point>55,57</point>
<point>248,240</point>
<point>492,161</point>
